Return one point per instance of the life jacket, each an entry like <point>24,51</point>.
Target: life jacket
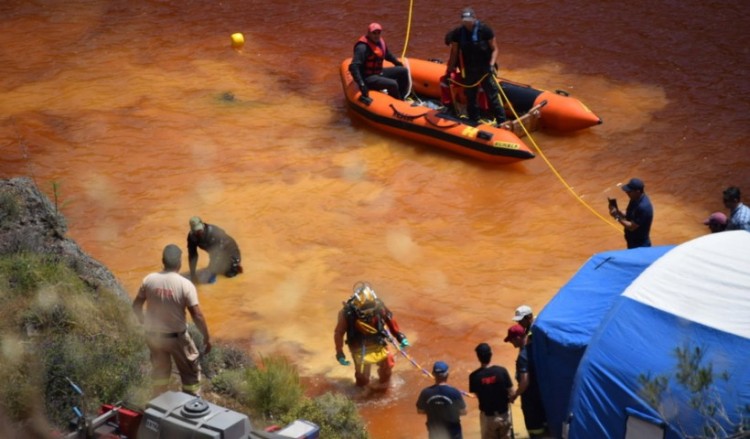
<point>472,48</point>
<point>366,329</point>
<point>374,61</point>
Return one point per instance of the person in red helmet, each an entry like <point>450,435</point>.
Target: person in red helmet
<point>367,69</point>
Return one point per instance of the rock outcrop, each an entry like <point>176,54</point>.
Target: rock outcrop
<point>29,222</point>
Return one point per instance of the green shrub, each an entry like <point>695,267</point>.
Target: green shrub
<point>230,382</point>
<point>25,273</point>
<point>273,389</point>
<point>10,208</point>
<point>20,392</point>
<point>221,357</point>
<point>53,329</point>
<point>66,331</point>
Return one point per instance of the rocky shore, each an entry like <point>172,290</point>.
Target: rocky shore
<point>31,223</point>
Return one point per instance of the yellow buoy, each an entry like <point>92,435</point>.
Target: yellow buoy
<point>238,40</point>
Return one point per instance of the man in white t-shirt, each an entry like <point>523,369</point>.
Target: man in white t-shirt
<point>167,295</point>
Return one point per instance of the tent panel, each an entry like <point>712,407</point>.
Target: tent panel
<point>564,327</point>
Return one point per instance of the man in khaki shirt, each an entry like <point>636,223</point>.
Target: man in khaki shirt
<point>167,295</point>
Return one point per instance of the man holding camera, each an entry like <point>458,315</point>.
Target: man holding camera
<point>638,216</point>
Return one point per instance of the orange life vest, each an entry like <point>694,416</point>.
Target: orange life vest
<point>374,61</point>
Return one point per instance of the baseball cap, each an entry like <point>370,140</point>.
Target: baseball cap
<point>483,349</point>
<point>716,218</point>
<point>196,224</point>
<point>440,368</point>
<point>514,332</point>
<point>374,26</point>
<point>468,15</point>
<point>521,312</point>
<point>635,184</point>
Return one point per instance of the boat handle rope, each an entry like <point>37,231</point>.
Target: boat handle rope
<point>405,116</point>
<point>455,123</point>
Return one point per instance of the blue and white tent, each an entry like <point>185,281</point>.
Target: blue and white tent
<point>564,328</point>
<point>671,358</point>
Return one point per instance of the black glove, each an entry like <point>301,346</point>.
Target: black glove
<point>365,91</point>
<point>398,63</point>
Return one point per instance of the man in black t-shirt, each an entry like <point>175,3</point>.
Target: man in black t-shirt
<point>493,387</point>
<point>638,216</point>
<point>474,52</point>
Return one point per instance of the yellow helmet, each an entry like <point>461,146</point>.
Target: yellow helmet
<point>364,296</point>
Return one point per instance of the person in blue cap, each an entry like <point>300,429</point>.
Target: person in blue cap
<point>443,404</point>
<point>638,216</point>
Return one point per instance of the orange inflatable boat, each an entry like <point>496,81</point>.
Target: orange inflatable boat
<point>430,123</point>
<point>557,111</point>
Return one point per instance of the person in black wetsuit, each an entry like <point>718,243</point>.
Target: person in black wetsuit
<point>223,251</point>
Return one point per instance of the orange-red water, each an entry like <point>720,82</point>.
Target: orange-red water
<point>119,104</point>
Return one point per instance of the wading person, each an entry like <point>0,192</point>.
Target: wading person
<point>365,320</point>
<point>223,252</point>
<point>167,295</point>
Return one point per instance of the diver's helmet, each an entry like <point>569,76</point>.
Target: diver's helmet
<point>363,298</point>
